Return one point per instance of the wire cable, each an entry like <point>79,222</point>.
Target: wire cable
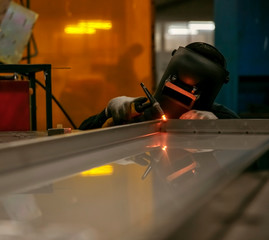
<point>58,104</point>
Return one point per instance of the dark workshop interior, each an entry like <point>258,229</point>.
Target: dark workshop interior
<point>162,178</point>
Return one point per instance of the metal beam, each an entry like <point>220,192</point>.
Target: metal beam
<point>28,162</point>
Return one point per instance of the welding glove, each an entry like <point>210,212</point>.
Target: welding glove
<point>195,114</point>
<point>123,109</point>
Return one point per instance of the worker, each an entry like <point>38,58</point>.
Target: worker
<point>187,90</point>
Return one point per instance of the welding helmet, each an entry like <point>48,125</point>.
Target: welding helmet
<point>192,79</point>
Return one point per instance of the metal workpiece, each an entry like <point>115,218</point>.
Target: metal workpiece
<point>152,177</point>
<point>226,126</point>
<point>93,148</point>
<point>101,146</point>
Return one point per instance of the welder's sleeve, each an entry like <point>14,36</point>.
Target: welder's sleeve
<point>223,112</point>
<point>95,121</point>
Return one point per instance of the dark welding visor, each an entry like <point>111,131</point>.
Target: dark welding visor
<point>190,81</point>
<point>179,94</point>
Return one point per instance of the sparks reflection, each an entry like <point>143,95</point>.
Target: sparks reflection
<point>164,148</point>
<point>181,171</point>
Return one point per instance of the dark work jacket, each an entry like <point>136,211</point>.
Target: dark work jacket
<point>97,121</point>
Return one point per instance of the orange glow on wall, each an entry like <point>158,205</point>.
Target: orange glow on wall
<point>87,27</point>
<point>89,69</point>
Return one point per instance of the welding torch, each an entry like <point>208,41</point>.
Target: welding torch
<point>124,109</point>
<point>138,107</point>
<point>153,101</point>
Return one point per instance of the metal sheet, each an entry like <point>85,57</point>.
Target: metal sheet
<point>93,148</point>
<point>160,175</point>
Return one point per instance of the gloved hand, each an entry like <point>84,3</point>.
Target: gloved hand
<point>195,114</point>
<point>123,109</point>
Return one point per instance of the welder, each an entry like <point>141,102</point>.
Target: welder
<point>187,90</point>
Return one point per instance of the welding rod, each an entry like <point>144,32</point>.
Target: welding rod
<point>152,99</point>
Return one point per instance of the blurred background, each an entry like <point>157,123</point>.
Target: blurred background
<point>102,49</point>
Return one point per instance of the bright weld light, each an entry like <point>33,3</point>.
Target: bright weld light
<point>164,148</point>
<point>164,117</point>
<point>105,170</point>
<point>87,27</point>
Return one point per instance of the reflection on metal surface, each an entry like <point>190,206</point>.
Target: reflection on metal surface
<point>21,207</point>
<point>105,170</point>
<point>181,171</point>
<point>88,27</point>
<point>171,163</point>
<point>159,176</point>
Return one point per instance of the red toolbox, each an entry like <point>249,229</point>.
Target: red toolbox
<point>14,105</point>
